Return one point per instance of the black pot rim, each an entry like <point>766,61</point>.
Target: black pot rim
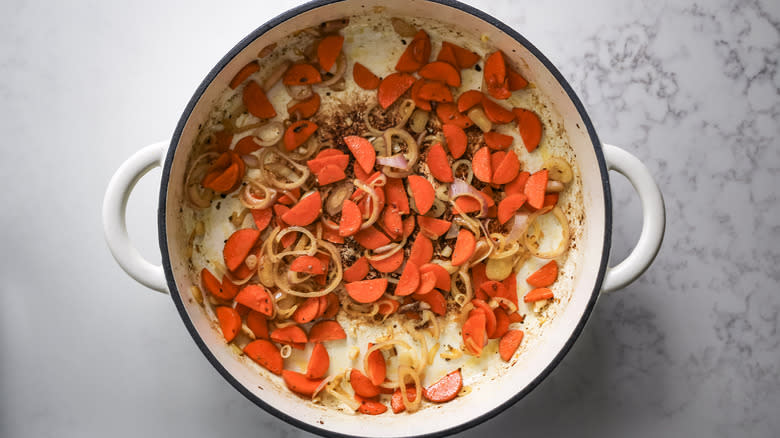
<point>162,236</point>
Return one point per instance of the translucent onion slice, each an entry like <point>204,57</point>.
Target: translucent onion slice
<point>248,197</point>
<point>563,244</point>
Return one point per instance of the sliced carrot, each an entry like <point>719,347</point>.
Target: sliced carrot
<point>297,133</point>
<point>362,385</point>
<point>316,165</point>
<point>442,72</point>
<point>330,174</point>
<point>490,317</point>
<point>362,150</point>
<point>328,234</point>
<point>229,322</point>
<point>436,92</point>
<point>502,323</point>
<point>389,264</point>
<point>517,185</point>
<point>538,294</point>
<point>467,204</point>
<point>409,281</point>
<point>371,238</point>
<point>446,54</point>
<point>238,246</point>
<point>357,271</point>
<point>516,80</point>
<point>258,324</point>
<point>510,285</point>
<point>432,227</point>
<point>496,158</point>
<point>291,334</point>
<point>492,288</point>
<point>481,165</point>
<point>307,311</point>
<point>516,317</point>
<point>257,102</point>
<point>392,222</point>
<point>469,99</point>
<point>387,306</point>
<point>464,247</point>
<point>438,164</point>
<point>301,74</point>
<point>421,103</point>
<point>495,112</point>
<point>434,299</point>
<point>306,211</point>
<point>306,108</point>
<point>364,78</point>
<point>299,383</point>
<point>507,169</point>
<point>246,145</point>
<point>324,331</point>
<point>366,291</point>
<point>416,54</point>
<point>351,219</point>
<point>466,58</point>
<point>421,252</point>
<point>509,344</point>
<point>422,191</point>
<point>225,174</point>
<point>535,188</point>
<point>370,406</point>
<point>550,200</point>
<point>396,402</point>
<point>319,362</point>
<point>265,354</point>
<point>497,141</point>
<point>244,73</point>
<point>530,127</point>
<point>448,113</point>
<point>474,333</point>
<point>427,283</point>
<point>544,276</point>
<point>396,195</point>
<point>223,139</point>
<point>329,152</point>
<point>256,298</point>
<point>289,197</point>
<point>509,205</point>
<point>456,140</point>
<point>445,389</point>
<point>392,87</point>
<point>328,51</point>
<point>308,264</point>
<point>443,280</point>
<point>495,76</point>
<point>213,286</point>
<point>377,369</point>
<point>409,224</point>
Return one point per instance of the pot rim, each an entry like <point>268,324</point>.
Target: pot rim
<point>166,262</point>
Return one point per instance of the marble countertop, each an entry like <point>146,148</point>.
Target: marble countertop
<point>690,349</point>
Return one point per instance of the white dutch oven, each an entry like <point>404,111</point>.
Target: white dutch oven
<point>594,160</point>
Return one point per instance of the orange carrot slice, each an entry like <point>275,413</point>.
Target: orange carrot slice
<point>434,299</point>
<point>366,291</point>
<point>464,247</point>
<point>530,127</point>
<point>238,246</point>
<point>495,112</point>
<point>538,294</point>
<point>316,165</point>
<point>246,145</point>
<point>466,58</point>
<point>509,344</point>
<point>328,51</point>
<point>307,311</point>
<point>507,169</point>
<point>364,78</point>
<point>387,306</point>
<point>448,113</point>
<point>258,324</point>
<point>442,72</point>
<point>229,322</point>
<point>445,389</point>
<point>371,238</point>
<point>517,185</point>
<point>319,362</point>
<point>265,354</point>
<point>416,54</point>
<point>223,139</point>
<point>474,333</point>
<point>421,252</point>
<point>490,317</point>
<point>481,165</point>
<point>301,74</point>
<point>409,281</point>
<point>535,188</point>
<point>544,276</point>
<point>333,306</point>
<point>256,298</point>
<point>362,385</point>
<point>496,158</point>
<point>469,99</point>
<point>213,286</point>
<point>502,323</point>
<point>392,223</point>
<point>516,81</point>
<point>370,406</point>
<point>244,73</point>
<point>324,331</point>
<point>497,141</point>
<point>550,200</point>
<point>306,211</point>
<point>306,108</point>
<point>291,334</point>
<point>377,369</point>
<point>438,165</point>
<point>299,383</point>
<point>397,404</point>
<point>357,271</point>
<point>423,193</point>
<point>351,219</point>
<point>257,102</point>
<point>297,133</point>
<point>436,92</point>
<point>456,141</point>
<point>509,205</point>
<point>225,174</point>
<point>495,76</point>
<point>421,103</point>
<point>443,280</point>
<point>432,227</point>
<point>446,54</point>
<point>389,264</point>
<point>392,87</point>
<point>308,264</point>
<point>427,284</point>
<point>362,150</point>
<point>330,174</point>
<point>516,317</point>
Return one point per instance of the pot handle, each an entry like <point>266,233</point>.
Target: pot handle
<point>653,219</point>
<point>114,225</point>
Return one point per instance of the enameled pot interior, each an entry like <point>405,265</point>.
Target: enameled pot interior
<point>492,395</point>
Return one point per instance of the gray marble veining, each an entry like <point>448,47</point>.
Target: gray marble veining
<point>691,349</point>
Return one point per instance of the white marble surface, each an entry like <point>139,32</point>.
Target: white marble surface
<point>691,349</point>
